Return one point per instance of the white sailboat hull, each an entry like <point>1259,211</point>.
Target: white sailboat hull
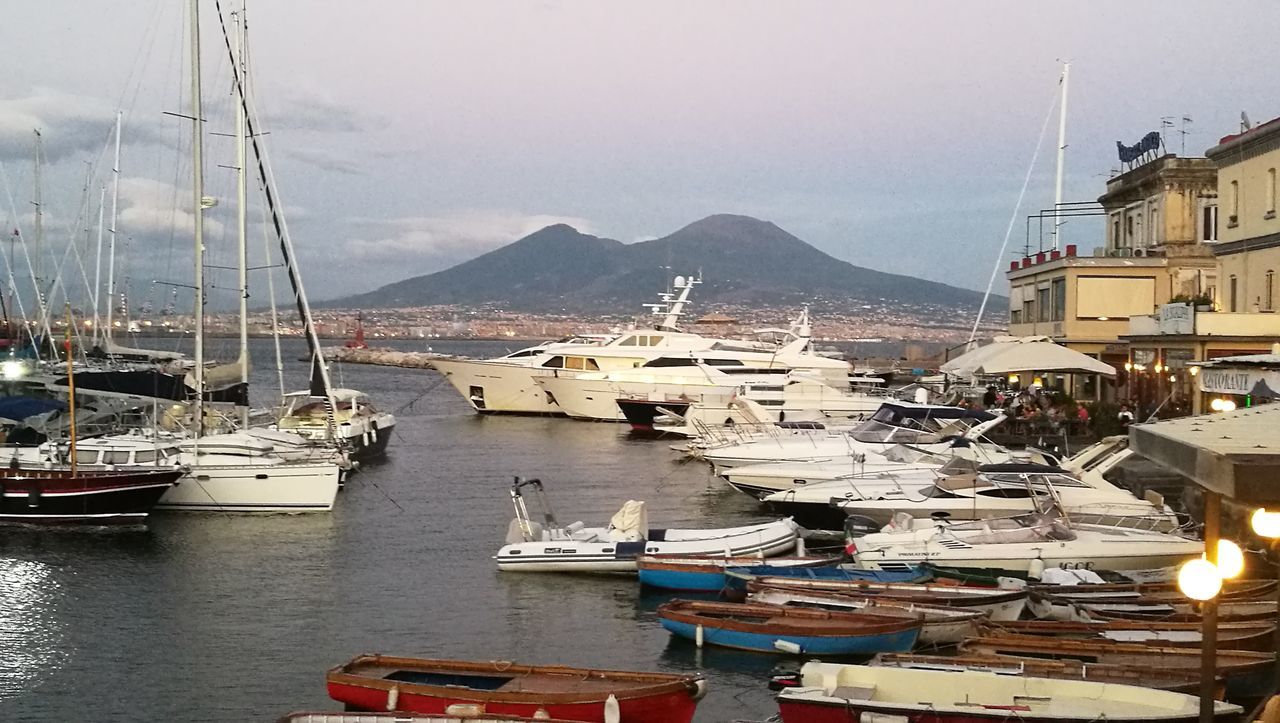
<point>292,487</point>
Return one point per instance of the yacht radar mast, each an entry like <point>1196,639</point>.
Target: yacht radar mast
<point>671,308</point>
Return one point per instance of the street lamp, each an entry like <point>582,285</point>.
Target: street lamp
<point>1199,579</point>
<point>1265,524</point>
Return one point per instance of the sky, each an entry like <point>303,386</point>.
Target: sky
<point>407,136</point>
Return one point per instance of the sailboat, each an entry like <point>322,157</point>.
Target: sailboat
<point>64,494</point>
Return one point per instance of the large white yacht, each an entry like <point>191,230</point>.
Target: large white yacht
<point>509,384</point>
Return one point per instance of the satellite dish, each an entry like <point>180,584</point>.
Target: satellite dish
<point>679,281</point>
<point>1244,121</point>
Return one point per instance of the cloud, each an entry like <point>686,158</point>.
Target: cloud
<point>68,124</point>
<point>326,160</point>
<point>300,108</point>
<point>151,208</point>
<point>463,234</point>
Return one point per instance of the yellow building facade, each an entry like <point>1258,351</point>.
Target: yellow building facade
<point>1249,249</point>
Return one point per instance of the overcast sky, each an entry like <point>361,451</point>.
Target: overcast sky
<point>407,136</point>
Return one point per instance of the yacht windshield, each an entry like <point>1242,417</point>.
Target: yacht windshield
<point>892,424</point>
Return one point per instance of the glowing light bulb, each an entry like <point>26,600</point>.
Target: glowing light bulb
<point>1230,559</point>
<point>1199,579</point>
<point>1265,524</point>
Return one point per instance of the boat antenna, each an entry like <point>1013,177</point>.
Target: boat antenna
<point>1026,181</point>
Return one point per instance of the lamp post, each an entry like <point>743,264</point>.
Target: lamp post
<point>1266,525</point>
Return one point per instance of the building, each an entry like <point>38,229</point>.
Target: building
<point>1236,315</point>
<point>1161,220</point>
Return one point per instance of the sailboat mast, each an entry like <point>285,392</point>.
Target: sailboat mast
<point>1062,154</point>
<point>71,391</point>
<point>97,267</point>
<point>39,220</point>
<point>111,254</point>
<point>241,223</point>
<point>197,183</point>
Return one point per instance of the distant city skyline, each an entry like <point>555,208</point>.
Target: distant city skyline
<point>409,136</point>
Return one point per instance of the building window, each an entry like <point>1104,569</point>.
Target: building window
<point>1235,202</point>
<point>1271,193</point>
<point>1059,287</point>
<point>1015,316</point>
<point>1231,292</point>
<point>1270,291</point>
<point>1043,302</point>
<point>1153,233</point>
<point>1115,233</point>
<point>1028,312</point>
<point>1128,230</point>
<point>1209,223</point>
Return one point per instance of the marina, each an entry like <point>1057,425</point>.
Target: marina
<point>274,449</point>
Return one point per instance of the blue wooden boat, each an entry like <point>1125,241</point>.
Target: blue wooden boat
<point>796,631</point>
<point>691,573</point>
<point>736,578</point>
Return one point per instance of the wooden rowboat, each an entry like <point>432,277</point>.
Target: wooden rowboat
<point>416,685</point>
<point>998,604</point>
<point>778,629</point>
<point>1245,635</point>
<point>1230,663</point>
<point>941,626</point>
<point>1228,610</point>
<point>1182,681</point>
<point>707,574</point>
<point>458,716</point>
<point>1231,590</point>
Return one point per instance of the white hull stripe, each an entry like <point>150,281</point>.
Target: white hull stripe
<point>77,493</point>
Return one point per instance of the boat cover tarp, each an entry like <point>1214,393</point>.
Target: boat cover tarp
<point>19,408</point>
<point>629,523</point>
<point>1011,355</point>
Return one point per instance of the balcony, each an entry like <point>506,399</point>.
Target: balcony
<point>1211,323</point>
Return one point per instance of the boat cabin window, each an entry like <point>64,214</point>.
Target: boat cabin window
<point>669,361</point>
<point>117,457</point>
<point>555,362</point>
<point>723,362</point>
<point>641,340</point>
<point>86,456</point>
<point>579,362</point>
<point>144,456</point>
<point>523,353</point>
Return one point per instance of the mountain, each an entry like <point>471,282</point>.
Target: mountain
<point>744,260</point>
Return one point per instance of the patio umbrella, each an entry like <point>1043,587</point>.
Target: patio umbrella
<point>1012,355</point>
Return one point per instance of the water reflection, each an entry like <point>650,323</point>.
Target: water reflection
<point>31,634</point>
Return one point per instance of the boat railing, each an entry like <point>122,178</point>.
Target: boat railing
<point>1149,522</point>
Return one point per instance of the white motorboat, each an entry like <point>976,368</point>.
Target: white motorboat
<point>548,547</point>
<point>930,428</point>
<point>225,472</point>
<point>834,692</point>
<point>360,428</point>
<point>1026,543</point>
<point>965,491</point>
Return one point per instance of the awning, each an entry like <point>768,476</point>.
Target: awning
<point>1013,355</point>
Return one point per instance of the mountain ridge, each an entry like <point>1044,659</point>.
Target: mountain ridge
<point>745,260</point>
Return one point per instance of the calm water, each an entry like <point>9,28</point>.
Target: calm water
<point>236,618</point>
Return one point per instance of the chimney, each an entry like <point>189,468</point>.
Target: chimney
<point>1071,249</point>
<point>1013,265</point>
<point>1040,257</point>
<point>1026,262</point>
<point>1055,255</point>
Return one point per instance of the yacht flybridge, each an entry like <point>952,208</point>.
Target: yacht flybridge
<point>510,384</point>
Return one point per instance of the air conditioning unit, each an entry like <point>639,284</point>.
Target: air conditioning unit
<point>1140,253</point>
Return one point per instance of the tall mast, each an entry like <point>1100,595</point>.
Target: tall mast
<point>111,256</point>
<point>241,223</point>
<point>39,204</point>
<point>97,267</point>
<point>197,183</point>
<point>1062,153</point>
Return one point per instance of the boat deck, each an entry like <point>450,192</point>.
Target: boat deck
<point>496,681</point>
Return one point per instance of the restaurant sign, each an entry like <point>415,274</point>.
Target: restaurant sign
<point>1259,383</point>
<point>1177,319</point>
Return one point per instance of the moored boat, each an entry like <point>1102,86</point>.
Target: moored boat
<point>1243,635</point>
<point>460,715</point>
<point>1230,663</point>
<point>941,625</point>
<point>777,629</point>
<point>417,685</point>
<point>1183,681</point>
<point>62,495</point>
<point>707,574</point>
<point>998,604</point>
<point>537,547</point>
<point>832,693</point>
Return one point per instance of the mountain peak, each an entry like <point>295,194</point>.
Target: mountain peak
<point>728,225</point>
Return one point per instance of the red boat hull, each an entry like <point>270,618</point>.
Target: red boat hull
<point>673,707</point>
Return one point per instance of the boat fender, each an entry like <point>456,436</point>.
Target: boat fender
<point>612,710</point>
<point>787,646</point>
<point>799,547</point>
<point>33,498</point>
<point>466,710</point>
<point>393,697</point>
<point>698,636</point>
<point>1035,569</point>
<point>541,714</point>
<point>698,689</point>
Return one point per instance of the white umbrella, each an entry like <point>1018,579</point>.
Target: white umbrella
<point>1011,355</point>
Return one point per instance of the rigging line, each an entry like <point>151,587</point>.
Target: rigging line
<point>271,291</point>
<point>1013,218</point>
